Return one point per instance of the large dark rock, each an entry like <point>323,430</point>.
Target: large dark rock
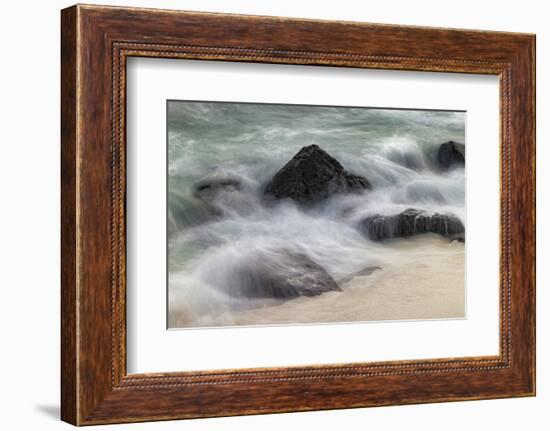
<point>280,274</point>
<point>311,176</point>
<point>410,222</point>
<point>450,154</point>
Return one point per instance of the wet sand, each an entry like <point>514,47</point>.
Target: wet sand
<point>424,279</point>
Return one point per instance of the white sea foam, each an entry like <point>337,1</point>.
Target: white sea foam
<point>394,150</point>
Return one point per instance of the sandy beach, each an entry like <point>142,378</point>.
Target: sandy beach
<point>423,280</point>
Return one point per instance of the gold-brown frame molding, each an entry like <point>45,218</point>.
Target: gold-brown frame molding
<point>96,41</point>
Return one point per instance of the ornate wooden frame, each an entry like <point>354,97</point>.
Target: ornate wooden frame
<point>95,43</point>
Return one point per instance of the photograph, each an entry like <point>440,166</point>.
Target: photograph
<point>281,214</point>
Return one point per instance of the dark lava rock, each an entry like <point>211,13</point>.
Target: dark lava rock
<point>410,222</point>
<point>281,274</point>
<point>311,176</point>
<point>450,154</point>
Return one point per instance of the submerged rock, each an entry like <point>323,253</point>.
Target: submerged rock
<point>282,274</point>
<point>311,176</point>
<point>450,154</point>
<point>410,222</point>
<point>210,190</point>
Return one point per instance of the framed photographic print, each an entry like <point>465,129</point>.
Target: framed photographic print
<point>264,215</point>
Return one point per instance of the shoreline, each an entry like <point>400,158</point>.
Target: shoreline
<point>423,280</point>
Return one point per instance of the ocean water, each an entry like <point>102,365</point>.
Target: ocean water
<point>249,143</point>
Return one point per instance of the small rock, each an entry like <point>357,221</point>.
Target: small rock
<point>458,237</point>
<point>211,192</point>
<point>451,154</point>
<point>207,190</point>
